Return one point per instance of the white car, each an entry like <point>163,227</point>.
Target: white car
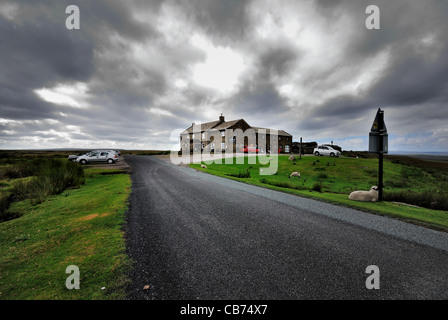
<point>98,156</point>
<point>326,151</point>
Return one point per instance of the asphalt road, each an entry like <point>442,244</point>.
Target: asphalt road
<point>197,236</point>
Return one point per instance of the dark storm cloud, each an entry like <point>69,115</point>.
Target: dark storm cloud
<point>278,60</point>
<point>35,53</point>
<point>224,20</point>
<point>38,51</point>
<point>414,80</point>
<point>263,101</point>
<point>137,61</point>
<point>341,107</point>
<point>414,37</point>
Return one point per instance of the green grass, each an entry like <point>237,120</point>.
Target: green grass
<point>35,180</point>
<point>81,227</point>
<point>332,180</point>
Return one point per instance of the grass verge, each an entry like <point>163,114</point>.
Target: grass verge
<point>331,180</point>
<point>81,227</point>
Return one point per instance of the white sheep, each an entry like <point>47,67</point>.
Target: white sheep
<point>203,166</point>
<point>292,158</point>
<point>294,174</point>
<point>371,195</point>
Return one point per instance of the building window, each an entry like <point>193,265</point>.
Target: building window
<point>223,145</point>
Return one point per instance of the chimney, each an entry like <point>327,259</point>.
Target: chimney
<point>221,118</point>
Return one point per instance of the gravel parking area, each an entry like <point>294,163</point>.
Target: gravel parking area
<point>119,165</point>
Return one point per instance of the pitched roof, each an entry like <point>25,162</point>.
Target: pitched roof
<point>280,132</point>
<point>226,124</point>
<point>218,125</point>
<point>222,125</point>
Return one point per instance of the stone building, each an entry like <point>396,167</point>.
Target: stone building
<point>235,134</point>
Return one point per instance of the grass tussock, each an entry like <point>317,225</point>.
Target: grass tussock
<point>426,199</point>
<point>19,170</point>
<point>241,174</point>
<point>46,178</point>
<point>53,177</point>
<point>82,227</point>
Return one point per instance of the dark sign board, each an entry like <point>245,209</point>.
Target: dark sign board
<point>378,137</point>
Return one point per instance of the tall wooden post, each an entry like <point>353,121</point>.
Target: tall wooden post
<point>378,143</point>
<point>380,154</point>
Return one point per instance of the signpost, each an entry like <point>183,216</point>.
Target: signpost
<point>378,143</point>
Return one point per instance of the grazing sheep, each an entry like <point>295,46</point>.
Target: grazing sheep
<point>203,166</point>
<point>294,174</point>
<point>367,196</point>
<point>291,158</point>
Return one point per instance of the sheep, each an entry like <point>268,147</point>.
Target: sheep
<point>294,174</point>
<point>203,166</point>
<point>291,158</point>
<point>367,196</point>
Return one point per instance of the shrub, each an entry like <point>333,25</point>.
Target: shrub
<point>411,172</point>
<point>317,187</point>
<point>5,202</point>
<point>240,174</point>
<point>6,199</point>
<point>425,199</point>
<point>244,174</point>
<point>52,177</point>
<point>402,183</point>
<point>283,184</point>
<point>322,175</point>
<point>371,172</point>
<point>16,171</point>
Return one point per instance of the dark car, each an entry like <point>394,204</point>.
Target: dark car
<point>74,157</point>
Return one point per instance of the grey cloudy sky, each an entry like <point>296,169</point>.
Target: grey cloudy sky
<point>136,73</point>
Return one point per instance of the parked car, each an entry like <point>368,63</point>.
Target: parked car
<point>73,157</point>
<point>250,149</point>
<point>106,150</point>
<point>326,151</point>
<point>98,156</point>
